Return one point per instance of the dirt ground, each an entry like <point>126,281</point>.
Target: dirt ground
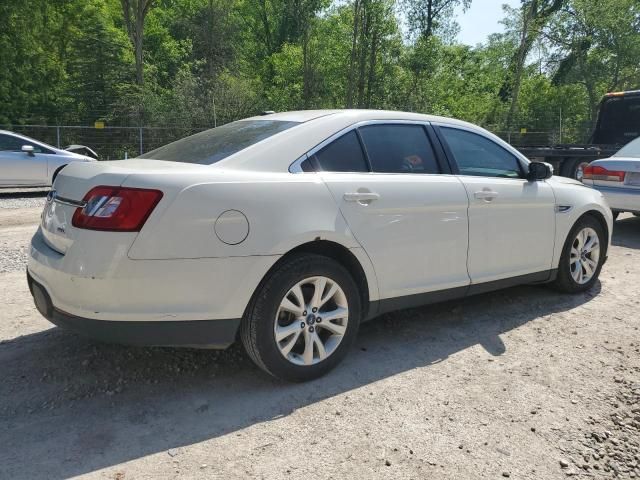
<point>524,383</point>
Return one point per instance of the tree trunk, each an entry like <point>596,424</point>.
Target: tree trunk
<point>352,60</point>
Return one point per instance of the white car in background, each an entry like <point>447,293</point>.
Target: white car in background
<point>25,162</point>
<point>618,178</point>
<point>288,230</point>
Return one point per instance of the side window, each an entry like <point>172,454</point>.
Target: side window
<point>14,144</point>
<point>399,149</point>
<point>479,156</point>
<point>342,155</point>
<point>10,143</point>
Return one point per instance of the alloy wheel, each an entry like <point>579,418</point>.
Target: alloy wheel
<point>311,320</point>
<point>585,255</point>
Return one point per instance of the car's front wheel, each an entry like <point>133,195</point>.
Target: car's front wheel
<point>303,319</point>
<point>582,256</point>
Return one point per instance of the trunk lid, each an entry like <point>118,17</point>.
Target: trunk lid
<point>72,184</point>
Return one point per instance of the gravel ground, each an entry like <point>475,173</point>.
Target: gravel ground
<point>524,383</point>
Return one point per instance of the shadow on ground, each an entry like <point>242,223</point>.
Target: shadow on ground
<point>23,193</point>
<point>626,232</point>
<point>69,406</point>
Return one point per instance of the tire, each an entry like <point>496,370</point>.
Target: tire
<point>573,168</point>
<point>566,280</point>
<point>268,313</point>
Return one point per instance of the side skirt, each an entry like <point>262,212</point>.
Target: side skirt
<point>386,305</point>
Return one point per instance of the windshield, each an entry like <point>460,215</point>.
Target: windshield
<point>213,145</point>
<point>631,149</point>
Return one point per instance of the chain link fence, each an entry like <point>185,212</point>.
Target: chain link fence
<point>110,143</point>
<point>114,143</point>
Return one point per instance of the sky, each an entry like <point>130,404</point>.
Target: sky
<point>481,20</point>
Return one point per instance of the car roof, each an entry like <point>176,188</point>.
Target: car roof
<point>355,115</point>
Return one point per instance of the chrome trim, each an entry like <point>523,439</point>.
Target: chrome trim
<point>563,208</point>
<point>67,201</point>
<point>295,166</point>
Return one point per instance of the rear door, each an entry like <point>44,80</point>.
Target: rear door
<point>511,220</point>
<point>408,216</point>
<point>20,168</point>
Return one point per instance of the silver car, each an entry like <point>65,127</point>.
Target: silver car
<point>618,178</point>
<point>25,162</point>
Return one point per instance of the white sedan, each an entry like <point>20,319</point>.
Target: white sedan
<point>618,178</point>
<point>288,230</point>
<point>25,162</point>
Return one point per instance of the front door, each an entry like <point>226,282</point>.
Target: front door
<point>511,220</point>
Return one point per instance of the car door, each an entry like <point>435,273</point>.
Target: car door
<point>21,168</point>
<point>511,219</point>
<point>408,217</point>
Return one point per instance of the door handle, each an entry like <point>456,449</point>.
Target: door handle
<point>486,194</point>
<point>361,197</point>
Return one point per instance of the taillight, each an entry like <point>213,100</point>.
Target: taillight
<point>116,209</point>
<point>596,172</point>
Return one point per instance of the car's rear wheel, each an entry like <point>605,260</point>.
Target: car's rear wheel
<point>303,319</point>
<point>582,256</point>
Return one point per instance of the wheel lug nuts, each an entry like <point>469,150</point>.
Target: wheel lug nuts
<point>302,324</point>
<point>314,309</point>
<point>311,329</point>
<point>318,319</point>
<point>304,314</point>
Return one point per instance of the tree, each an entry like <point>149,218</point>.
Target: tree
<point>428,17</point>
<point>532,17</point>
<point>134,13</point>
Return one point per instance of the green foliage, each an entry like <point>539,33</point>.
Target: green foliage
<point>208,62</point>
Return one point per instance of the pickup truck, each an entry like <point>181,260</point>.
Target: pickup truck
<point>618,123</point>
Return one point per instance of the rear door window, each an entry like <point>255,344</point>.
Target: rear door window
<point>398,148</point>
<point>342,155</point>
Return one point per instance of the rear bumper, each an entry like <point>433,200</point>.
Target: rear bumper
<point>216,334</point>
<point>621,199</point>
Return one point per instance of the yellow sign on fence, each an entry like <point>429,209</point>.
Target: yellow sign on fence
<point>98,124</point>
<point>523,131</point>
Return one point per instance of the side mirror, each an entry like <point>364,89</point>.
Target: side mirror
<point>28,149</point>
<point>539,171</point>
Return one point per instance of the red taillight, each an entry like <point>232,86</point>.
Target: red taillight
<point>116,209</point>
<point>596,172</point>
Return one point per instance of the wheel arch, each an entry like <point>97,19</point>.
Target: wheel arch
<point>341,254</point>
<point>56,172</point>
<point>600,218</point>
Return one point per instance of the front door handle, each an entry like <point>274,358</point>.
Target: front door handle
<point>486,194</point>
<point>361,197</point>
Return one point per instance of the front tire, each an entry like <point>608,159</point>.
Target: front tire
<point>303,319</point>
<point>582,256</point>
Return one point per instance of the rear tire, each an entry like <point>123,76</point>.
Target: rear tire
<point>582,256</point>
<point>287,300</point>
<point>573,168</point>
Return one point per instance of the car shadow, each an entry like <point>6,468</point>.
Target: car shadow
<point>27,193</point>
<point>98,405</point>
<point>626,232</point>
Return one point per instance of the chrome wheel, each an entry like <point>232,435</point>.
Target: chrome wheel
<point>585,255</point>
<point>311,321</point>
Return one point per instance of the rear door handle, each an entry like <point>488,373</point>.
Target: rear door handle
<point>361,197</point>
<point>486,194</point>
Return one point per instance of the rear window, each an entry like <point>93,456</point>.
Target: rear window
<point>213,145</point>
<point>632,149</point>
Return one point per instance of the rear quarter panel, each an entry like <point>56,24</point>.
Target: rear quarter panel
<point>283,211</point>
